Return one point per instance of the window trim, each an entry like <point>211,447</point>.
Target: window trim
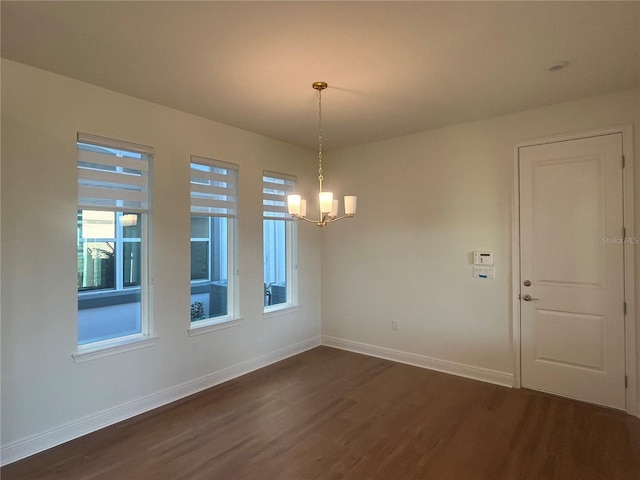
<point>283,309</point>
<point>113,346</point>
<point>232,318</point>
<point>291,248</point>
<point>145,338</point>
<point>214,324</point>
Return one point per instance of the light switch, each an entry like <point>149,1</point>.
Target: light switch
<point>484,272</point>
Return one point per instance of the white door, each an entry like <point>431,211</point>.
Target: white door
<point>572,269</point>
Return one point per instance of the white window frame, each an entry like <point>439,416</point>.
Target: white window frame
<point>275,208</point>
<point>94,201</point>
<point>232,318</point>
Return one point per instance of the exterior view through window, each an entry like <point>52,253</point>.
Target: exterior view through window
<point>213,212</point>
<point>113,185</point>
<point>279,237</point>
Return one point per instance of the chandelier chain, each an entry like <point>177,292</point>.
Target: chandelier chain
<point>320,177</point>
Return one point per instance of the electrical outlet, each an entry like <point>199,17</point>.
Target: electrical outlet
<point>395,325</point>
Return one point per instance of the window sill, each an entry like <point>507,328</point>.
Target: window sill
<point>278,310</point>
<point>112,347</point>
<point>213,325</point>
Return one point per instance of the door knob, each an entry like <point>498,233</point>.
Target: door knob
<point>527,298</point>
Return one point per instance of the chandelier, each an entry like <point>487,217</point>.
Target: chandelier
<point>328,206</point>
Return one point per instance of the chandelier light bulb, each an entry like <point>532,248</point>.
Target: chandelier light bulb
<point>294,203</point>
<point>334,209</point>
<point>326,202</point>
<point>350,202</point>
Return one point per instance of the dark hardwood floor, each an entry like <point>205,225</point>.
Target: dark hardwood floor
<point>330,414</point>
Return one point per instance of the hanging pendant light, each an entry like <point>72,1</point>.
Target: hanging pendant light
<point>328,206</point>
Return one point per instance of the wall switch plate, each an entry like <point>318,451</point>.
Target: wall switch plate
<point>484,272</point>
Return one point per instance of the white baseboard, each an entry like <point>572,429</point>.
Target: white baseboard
<point>42,441</point>
<point>476,373</point>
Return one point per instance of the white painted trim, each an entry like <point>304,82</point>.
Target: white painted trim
<point>515,271</point>
<point>631,324</point>
<point>632,400</point>
<point>213,326</point>
<point>279,310</point>
<point>114,346</point>
<point>496,377</point>
<point>563,137</point>
<point>56,436</point>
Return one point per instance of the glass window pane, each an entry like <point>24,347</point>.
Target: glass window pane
<point>209,293</point>
<point>131,225</point>
<point>96,265</point>
<point>131,265</point>
<point>97,224</point>
<point>199,227</point>
<point>219,254</point>
<point>105,267</point>
<point>107,316</point>
<point>275,262</point>
<point>199,260</point>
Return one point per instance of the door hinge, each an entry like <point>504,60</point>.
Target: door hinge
<point>623,162</point>
<point>625,308</point>
<point>626,382</point>
<point>624,232</point>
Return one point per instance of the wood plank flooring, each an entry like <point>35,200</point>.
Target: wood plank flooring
<point>331,414</point>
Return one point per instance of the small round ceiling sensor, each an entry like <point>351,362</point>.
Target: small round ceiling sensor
<point>554,67</point>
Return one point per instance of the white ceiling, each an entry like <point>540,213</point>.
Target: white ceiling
<point>393,68</point>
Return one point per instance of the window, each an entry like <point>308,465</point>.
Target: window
<point>213,234</point>
<point>279,242</point>
<point>111,239</point>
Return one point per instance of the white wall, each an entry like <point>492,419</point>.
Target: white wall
<point>46,397</point>
<point>425,202</point>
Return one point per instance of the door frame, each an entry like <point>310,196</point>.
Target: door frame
<point>632,406</point>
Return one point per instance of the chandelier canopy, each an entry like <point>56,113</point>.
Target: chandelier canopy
<point>328,206</point>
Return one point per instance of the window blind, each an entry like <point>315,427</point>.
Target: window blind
<point>275,188</point>
<point>112,174</point>
<point>213,187</point>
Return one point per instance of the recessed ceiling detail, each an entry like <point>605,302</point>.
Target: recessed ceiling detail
<point>554,67</point>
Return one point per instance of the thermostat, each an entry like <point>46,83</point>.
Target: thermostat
<point>483,258</point>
